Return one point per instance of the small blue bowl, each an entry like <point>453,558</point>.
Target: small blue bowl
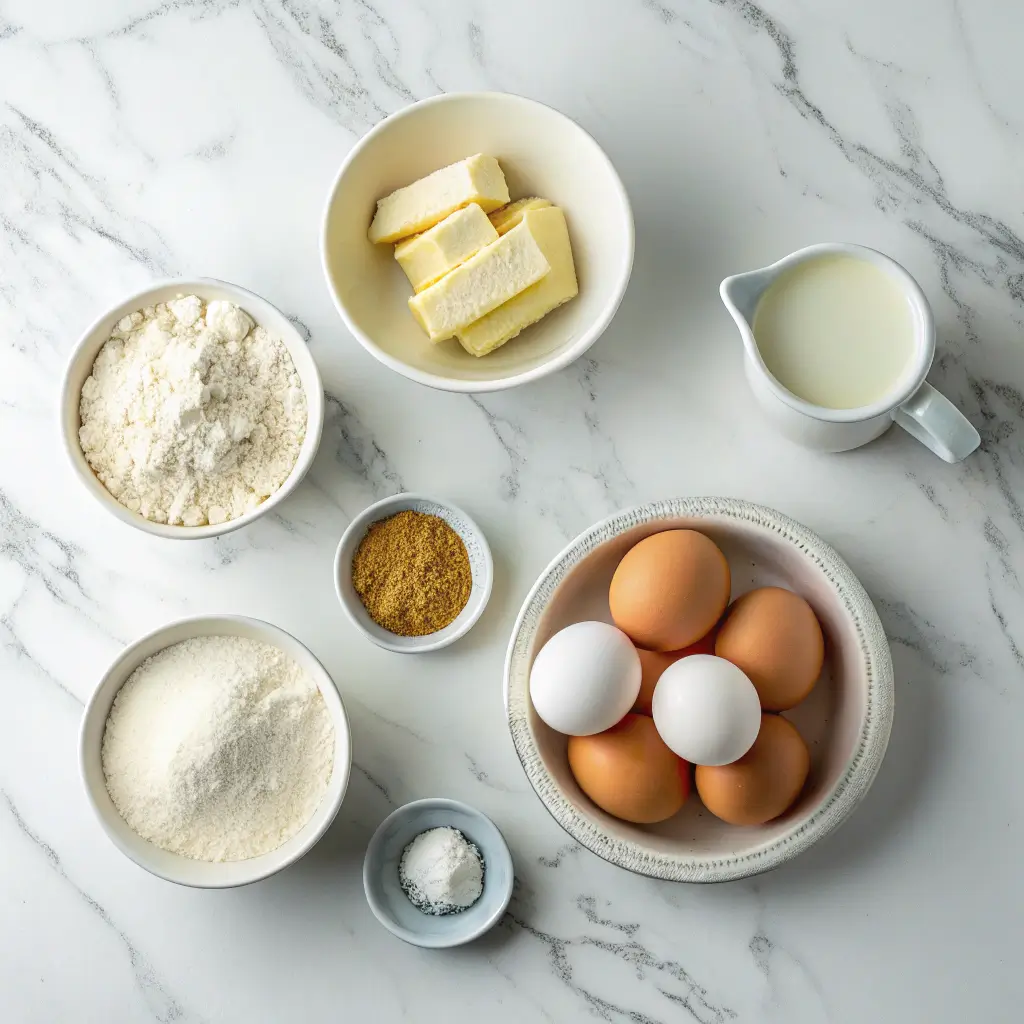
<point>389,903</point>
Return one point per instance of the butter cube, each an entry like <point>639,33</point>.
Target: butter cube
<point>548,228</point>
<point>424,203</point>
<point>509,216</point>
<point>426,258</point>
<point>493,276</point>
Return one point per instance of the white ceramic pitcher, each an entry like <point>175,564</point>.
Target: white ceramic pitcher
<point>912,403</point>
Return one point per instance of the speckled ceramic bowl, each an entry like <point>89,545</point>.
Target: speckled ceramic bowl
<point>846,720</point>
<point>480,563</point>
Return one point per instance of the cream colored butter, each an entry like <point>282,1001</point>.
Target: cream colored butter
<point>548,228</point>
<point>424,203</point>
<point>426,258</point>
<point>509,216</point>
<point>493,276</point>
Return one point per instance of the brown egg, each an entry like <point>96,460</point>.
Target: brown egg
<point>764,782</point>
<point>773,635</point>
<point>629,772</point>
<point>653,663</point>
<point>669,590</point>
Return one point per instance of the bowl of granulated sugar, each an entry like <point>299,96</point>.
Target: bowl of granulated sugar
<point>215,751</point>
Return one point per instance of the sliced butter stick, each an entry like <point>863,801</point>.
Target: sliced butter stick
<point>428,257</point>
<point>424,203</point>
<point>502,324</point>
<point>493,276</point>
<point>509,216</point>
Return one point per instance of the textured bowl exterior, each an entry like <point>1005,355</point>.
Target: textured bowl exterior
<point>481,566</point>
<point>751,853</point>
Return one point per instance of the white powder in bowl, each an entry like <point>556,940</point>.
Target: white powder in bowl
<point>218,748</point>
<point>441,872</point>
<point>192,414</point>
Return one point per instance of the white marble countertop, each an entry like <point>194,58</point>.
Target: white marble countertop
<point>141,139</point>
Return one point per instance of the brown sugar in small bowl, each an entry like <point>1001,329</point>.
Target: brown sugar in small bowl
<point>480,563</point>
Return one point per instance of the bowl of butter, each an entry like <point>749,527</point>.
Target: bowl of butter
<point>477,241</point>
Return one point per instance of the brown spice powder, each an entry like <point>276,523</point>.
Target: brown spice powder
<point>412,573</point>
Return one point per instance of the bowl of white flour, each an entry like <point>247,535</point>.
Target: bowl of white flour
<point>191,408</point>
<point>215,751</point>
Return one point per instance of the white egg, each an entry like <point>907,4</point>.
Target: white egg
<point>585,678</point>
<point>706,710</point>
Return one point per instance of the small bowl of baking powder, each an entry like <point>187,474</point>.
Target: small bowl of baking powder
<point>191,408</point>
<point>215,751</point>
<point>438,873</point>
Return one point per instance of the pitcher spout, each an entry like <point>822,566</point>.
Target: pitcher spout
<point>741,293</point>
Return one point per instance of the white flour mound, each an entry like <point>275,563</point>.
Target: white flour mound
<point>218,748</point>
<point>192,414</point>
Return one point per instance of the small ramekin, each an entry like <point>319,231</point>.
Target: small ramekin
<point>384,892</point>
<point>480,562</point>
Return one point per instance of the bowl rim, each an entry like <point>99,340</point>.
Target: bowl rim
<point>842,798</point>
<point>419,645</point>
<point>275,636</point>
<point>556,362</point>
<point>70,397</point>
<point>371,861</point>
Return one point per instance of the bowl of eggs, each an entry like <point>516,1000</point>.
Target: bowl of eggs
<point>699,689</point>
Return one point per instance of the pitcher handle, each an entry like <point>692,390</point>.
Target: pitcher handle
<point>937,423</point>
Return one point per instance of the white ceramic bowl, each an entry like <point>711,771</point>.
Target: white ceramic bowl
<point>384,892</point>
<point>267,316</point>
<point>845,721</point>
<point>480,563</point>
<point>172,866</point>
<point>543,153</point>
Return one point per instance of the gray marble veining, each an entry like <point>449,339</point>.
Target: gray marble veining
<point>142,139</point>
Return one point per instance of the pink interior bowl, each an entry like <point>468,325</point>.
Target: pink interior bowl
<point>845,721</point>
